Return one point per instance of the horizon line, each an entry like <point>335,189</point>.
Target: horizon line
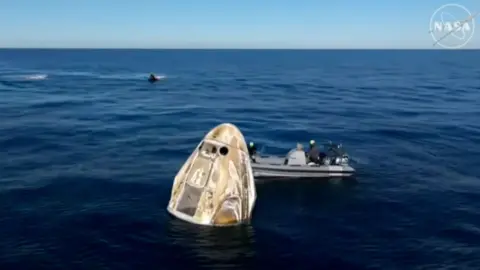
<point>233,48</point>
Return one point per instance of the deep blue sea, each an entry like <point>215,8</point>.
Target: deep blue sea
<point>89,149</point>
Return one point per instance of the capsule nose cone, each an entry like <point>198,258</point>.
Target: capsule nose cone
<point>228,134</point>
<point>215,186</point>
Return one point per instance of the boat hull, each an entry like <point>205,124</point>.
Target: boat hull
<point>262,172</point>
<point>273,167</point>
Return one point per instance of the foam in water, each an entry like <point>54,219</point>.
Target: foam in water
<point>17,74</point>
<point>36,77</point>
<point>103,76</point>
<point>23,78</point>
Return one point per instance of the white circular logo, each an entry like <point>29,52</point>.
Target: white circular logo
<point>452,26</point>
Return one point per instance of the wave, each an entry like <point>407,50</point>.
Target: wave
<point>104,76</point>
<point>20,78</point>
<point>36,77</point>
<point>16,75</point>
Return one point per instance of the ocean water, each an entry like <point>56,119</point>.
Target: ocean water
<point>89,149</point>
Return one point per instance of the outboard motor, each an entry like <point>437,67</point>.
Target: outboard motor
<point>326,161</point>
<point>338,161</point>
<point>338,156</point>
<point>344,160</point>
<point>341,160</point>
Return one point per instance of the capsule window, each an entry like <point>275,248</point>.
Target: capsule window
<point>223,151</point>
<point>208,148</point>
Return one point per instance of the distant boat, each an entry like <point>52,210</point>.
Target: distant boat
<point>153,78</point>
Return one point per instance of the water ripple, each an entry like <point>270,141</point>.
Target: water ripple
<point>90,152</point>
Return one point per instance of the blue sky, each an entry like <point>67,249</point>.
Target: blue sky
<point>221,23</point>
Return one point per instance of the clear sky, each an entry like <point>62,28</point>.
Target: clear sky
<point>221,23</point>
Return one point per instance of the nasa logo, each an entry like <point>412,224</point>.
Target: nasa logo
<point>452,26</point>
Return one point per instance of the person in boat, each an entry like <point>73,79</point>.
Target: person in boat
<point>252,150</point>
<point>313,153</point>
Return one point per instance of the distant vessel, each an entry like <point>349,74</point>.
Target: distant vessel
<point>215,186</point>
<point>154,78</point>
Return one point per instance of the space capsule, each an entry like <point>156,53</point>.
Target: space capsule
<point>215,186</point>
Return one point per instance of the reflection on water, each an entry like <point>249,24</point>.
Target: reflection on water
<point>213,246</point>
